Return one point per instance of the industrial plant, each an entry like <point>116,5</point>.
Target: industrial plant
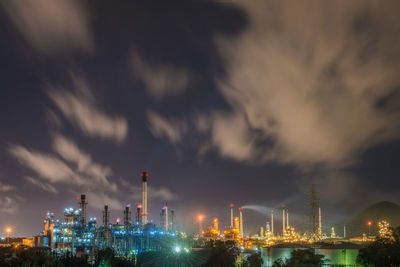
<point>84,236</point>
<point>282,235</point>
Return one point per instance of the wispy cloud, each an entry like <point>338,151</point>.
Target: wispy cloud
<point>75,169</point>
<point>310,90</point>
<point>162,127</point>
<point>80,108</point>
<point>8,205</point>
<point>46,166</point>
<point>160,80</point>
<point>44,186</point>
<point>6,187</point>
<point>51,26</point>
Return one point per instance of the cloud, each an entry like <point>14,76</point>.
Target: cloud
<point>45,186</point>
<point>161,193</point>
<point>229,133</point>
<point>69,151</point>
<point>80,109</point>
<point>8,205</point>
<point>6,187</point>
<point>76,170</point>
<point>161,127</point>
<point>310,90</point>
<point>51,26</point>
<point>160,80</point>
<point>46,166</point>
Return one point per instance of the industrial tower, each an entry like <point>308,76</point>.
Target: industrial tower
<point>314,210</point>
<point>144,197</point>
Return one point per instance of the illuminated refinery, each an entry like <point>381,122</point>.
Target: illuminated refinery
<point>130,236</point>
<point>287,236</point>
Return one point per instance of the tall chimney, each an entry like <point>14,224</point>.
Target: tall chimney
<point>172,223</point>
<point>283,220</point>
<point>139,214</point>
<point>127,215</point>
<point>241,222</point>
<point>106,223</point>
<point>287,218</point>
<point>319,223</point>
<point>82,204</point>
<point>166,217</point>
<point>144,197</point>
<point>272,222</point>
<point>232,206</point>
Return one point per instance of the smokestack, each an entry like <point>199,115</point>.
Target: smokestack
<point>215,224</point>
<point>164,217</point>
<point>172,223</point>
<point>144,197</point>
<point>319,223</point>
<point>272,222</point>
<point>236,222</point>
<point>287,218</point>
<point>82,205</point>
<point>106,223</point>
<point>127,215</point>
<point>241,222</point>
<point>283,219</point>
<point>344,231</point>
<point>106,216</point>
<point>232,206</point>
<point>139,214</point>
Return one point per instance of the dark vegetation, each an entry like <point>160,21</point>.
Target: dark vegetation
<point>301,258</point>
<point>215,254</point>
<point>384,252</point>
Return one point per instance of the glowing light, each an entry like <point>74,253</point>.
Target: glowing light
<point>369,223</point>
<point>201,217</point>
<point>177,249</point>
<point>8,230</point>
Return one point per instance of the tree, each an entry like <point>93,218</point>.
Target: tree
<point>221,254</point>
<point>254,260</point>
<point>301,258</point>
<point>385,251</point>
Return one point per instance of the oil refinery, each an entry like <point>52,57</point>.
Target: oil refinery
<point>80,236</point>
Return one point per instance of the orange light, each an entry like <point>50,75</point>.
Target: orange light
<point>369,223</point>
<point>8,230</point>
<point>200,218</point>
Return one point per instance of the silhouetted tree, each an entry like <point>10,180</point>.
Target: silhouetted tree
<point>301,258</point>
<point>221,254</point>
<point>254,260</point>
<point>382,252</point>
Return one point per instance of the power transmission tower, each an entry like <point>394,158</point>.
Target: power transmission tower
<point>314,209</point>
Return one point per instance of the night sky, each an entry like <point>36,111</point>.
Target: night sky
<point>247,102</point>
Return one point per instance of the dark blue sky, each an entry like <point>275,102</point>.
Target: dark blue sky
<point>220,103</point>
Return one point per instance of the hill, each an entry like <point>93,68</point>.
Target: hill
<point>384,210</point>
